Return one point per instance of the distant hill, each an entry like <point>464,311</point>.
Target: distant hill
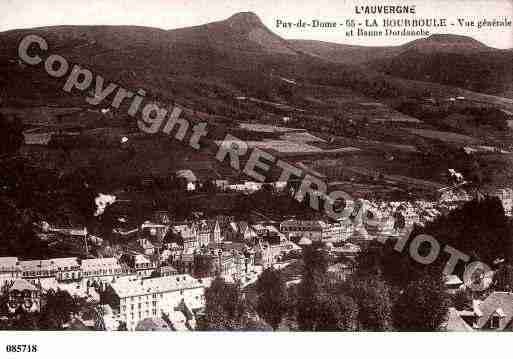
<point>345,54</point>
<point>233,56</point>
<point>209,65</point>
<point>446,43</point>
<point>237,70</point>
<point>453,60</point>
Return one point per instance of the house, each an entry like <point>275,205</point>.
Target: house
<point>245,186</point>
<point>281,250</point>
<point>184,263</point>
<point>505,195</point>
<point>340,271</point>
<point>166,271</point>
<point>265,255</point>
<point>304,242</point>
<point>9,270</point>
<point>62,269</point>
<point>34,270</point>
<point>186,236</point>
<point>361,237</point>
<point>154,231</point>
<point>139,263</point>
<point>78,325</point>
<point>455,323</point>
<point>495,312</point>
<point>69,231</point>
<point>208,232</point>
<point>380,227</point>
<point>242,231</point>
<point>297,229</point>
<point>452,283</point>
<point>68,269</point>
<point>195,235</point>
<point>145,246</point>
<point>162,217</point>
<point>102,269</point>
<point>23,294</point>
<point>189,178</point>
<point>348,250</point>
<point>336,232</point>
<point>230,264</point>
<point>269,233</point>
<point>126,233</point>
<point>221,184</point>
<point>138,299</point>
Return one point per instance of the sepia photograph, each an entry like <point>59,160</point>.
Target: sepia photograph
<point>254,166</point>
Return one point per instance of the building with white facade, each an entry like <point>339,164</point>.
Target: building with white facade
<point>59,268</point>
<point>9,270</point>
<point>102,269</point>
<point>151,298</point>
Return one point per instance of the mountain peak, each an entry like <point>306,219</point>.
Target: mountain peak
<point>246,20</point>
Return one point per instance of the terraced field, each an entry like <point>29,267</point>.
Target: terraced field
<point>451,137</point>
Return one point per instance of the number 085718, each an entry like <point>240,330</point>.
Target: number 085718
<point>21,348</point>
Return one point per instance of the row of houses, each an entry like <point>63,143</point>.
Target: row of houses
<point>319,231</point>
<point>197,234</point>
<point>61,269</point>
<point>134,300</point>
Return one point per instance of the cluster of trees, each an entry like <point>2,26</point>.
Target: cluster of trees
<point>368,300</point>
<point>227,309</point>
<point>11,135</point>
<point>479,228</point>
<point>389,290</point>
<point>57,309</point>
<point>364,302</point>
<point>319,305</point>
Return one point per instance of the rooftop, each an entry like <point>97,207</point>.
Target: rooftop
<point>152,324</point>
<point>8,263</point>
<point>48,264</point>
<point>497,302</point>
<point>21,285</point>
<point>137,287</point>
<point>99,263</point>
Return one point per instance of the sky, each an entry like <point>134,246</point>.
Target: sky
<point>171,14</point>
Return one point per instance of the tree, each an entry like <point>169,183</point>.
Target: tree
<point>272,297</point>
<point>11,135</point>
<point>318,307</point>
<point>57,310</point>
<point>468,227</point>
<point>224,307</point>
<point>348,313</point>
<point>24,321</point>
<point>423,306</point>
<point>329,316</point>
<point>373,299</point>
<point>310,293</point>
<point>462,299</point>
<point>504,278</point>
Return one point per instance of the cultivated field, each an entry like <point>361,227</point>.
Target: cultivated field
<point>444,136</point>
<point>262,127</point>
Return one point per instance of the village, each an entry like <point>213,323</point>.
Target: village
<point>160,268</point>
